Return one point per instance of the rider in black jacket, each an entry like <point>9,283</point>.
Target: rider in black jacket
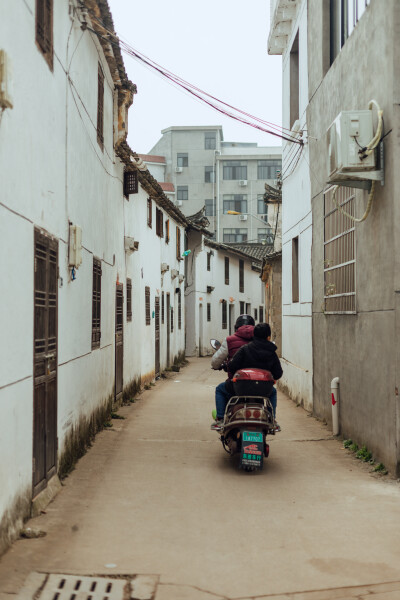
<point>258,354</point>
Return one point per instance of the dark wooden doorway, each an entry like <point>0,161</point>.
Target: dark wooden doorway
<point>157,337</point>
<point>168,330</point>
<point>119,341</point>
<point>45,361</point>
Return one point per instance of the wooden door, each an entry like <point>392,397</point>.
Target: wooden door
<point>119,340</point>
<point>157,336</point>
<point>168,330</point>
<point>200,330</point>
<point>45,361</point>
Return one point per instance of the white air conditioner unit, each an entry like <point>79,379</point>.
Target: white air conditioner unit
<point>179,203</point>
<point>75,246</point>
<point>178,169</point>
<point>242,217</point>
<point>350,132</point>
<point>243,182</point>
<point>130,244</point>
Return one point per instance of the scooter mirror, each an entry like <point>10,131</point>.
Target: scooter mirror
<point>215,344</point>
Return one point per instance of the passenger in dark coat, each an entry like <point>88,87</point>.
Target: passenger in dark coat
<point>258,354</point>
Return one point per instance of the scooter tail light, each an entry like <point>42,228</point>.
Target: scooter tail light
<point>248,414</point>
<point>256,414</point>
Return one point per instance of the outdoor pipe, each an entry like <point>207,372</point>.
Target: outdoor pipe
<point>335,405</point>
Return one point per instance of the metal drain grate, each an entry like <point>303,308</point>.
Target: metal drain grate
<point>75,587</point>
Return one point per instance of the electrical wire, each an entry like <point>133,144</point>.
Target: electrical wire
<point>201,95</point>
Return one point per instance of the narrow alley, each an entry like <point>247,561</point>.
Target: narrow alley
<point>157,496</point>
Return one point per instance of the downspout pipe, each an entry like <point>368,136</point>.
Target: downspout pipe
<point>335,405</point>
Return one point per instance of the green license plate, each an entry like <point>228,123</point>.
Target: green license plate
<point>252,436</point>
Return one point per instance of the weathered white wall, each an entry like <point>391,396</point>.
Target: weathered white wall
<point>54,172</point>
<point>297,222</point>
<point>197,297</point>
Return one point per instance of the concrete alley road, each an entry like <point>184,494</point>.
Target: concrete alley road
<point>157,495</point>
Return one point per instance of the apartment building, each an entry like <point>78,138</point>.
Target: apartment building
<point>202,171</point>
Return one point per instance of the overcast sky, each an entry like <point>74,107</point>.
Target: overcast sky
<point>218,45</point>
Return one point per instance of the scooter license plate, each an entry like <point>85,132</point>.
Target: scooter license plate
<point>252,449</point>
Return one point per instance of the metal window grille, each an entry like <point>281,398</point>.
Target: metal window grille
<point>179,310</point>
<point>261,314</point>
<point>339,253</point>
<point>162,308</point>
<point>149,212</point>
<point>208,311</point>
<point>208,261</point>
<point>147,304</point>
<point>96,304</point>
<point>226,270</point>
<point>119,309</point>
<point>131,185</point>
<point>44,29</point>
<point>295,269</point>
<point>224,314</point>
<point>172,319</point>
<point>100,107</point>
<point>241,306</point>
<point>241,278</point>
<point>255,315</point>
<point>129,299</point>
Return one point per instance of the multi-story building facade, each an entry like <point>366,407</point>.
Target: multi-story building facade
<point>205,171</point>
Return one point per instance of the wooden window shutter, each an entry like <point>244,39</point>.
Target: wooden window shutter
<point>178,243</point>
<point>147,304</point>
<point>44,29</point>
<point>224,315</point>
<point>167,231</point>
<point>149,212</point>
<point>129,299</point>
<point>96,304</point>
<point>226,270</point>
<point>131,185</point>
<point>208,311</point>
<point>241,276</point>
<point>100,107</point>
<point>179,310</point>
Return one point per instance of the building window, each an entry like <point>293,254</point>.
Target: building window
<point>96,304</point>
<point>147,304</point>
<point>294,81</point>
<point>255,315</point>
<point>295,269</point>
<point>129,299</point>
<point>100,107</point>
<point>162,308</point>
<point>236,202</point>
<point>262,208</point>
<point>224,314</point>
<point>226,270</point>
<point>44,29</point>
<point>343,17</point>
<point>178,243</point>
<point>172,319</point>
<point>149,212</point>
<point>131,183</point>
<point>209,208</point>
<point>208,311</point>
<point>209,175</point>
<point>179,309</point>
<point>232,235</point>
<point>159,223</point>
<point>167,231</point>
<point>261,314</point>
<point>234,169</point>
<point>241,308</point>
<point>339,252</point>
<point>182,192</point>
<point>265,235</point>
<point>241,277</point>
<point>268,169</point>
<point>248,309</point>
<point>209,261</point>
<point>210,140</point>
<point>182,159</point>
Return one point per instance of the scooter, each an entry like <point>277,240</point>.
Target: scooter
<point>249,417</point>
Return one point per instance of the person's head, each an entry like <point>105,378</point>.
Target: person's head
<point>244,320</point>
<point>262,331</point>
